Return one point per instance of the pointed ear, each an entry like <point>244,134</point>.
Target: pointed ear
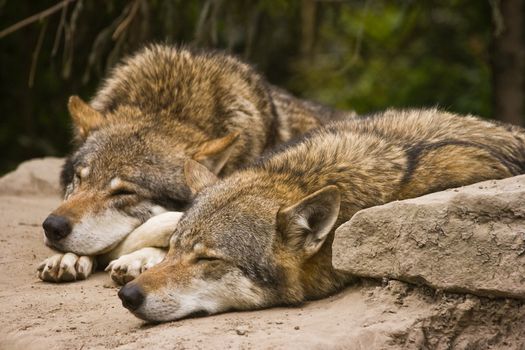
<point>84,116</point>
<point>305,225</point>
<point>215,153</point>
<point>198,176</point>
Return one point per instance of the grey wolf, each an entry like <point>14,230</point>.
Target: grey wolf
<point>157,109</point>
<point>263,236</point>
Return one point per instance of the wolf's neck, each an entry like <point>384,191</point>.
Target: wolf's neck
<point>319,279</point>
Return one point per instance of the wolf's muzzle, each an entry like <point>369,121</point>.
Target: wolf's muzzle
<point>56,227</point>
<point>132,296</point>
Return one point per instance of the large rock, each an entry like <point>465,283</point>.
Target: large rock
<point>38,177</point>
<point>470,239</point>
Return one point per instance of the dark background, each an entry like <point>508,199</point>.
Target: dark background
<point>462,55</point>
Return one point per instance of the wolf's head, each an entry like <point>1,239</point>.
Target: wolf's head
<point>123,173</point>
<point>239,247</point>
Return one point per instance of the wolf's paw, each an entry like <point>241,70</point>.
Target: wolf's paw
<point>129,266</point>
<point>65,268</point>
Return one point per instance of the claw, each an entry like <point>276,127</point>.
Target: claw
<point>129,266</point>
<point>65,268</point>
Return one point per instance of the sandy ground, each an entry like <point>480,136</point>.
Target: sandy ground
<point>88,314</point>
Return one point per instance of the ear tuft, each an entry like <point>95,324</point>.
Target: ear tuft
<point>305,225</point>
<point>85,118</point>
<point>198,176</point>
<point>215,153</point>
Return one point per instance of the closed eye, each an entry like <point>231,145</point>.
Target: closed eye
<point>122,192</point>
<point>205,259</point>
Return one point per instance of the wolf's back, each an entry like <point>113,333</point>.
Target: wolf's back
<point>401,154</point>
<point>444,150</point>
<point>423,131</point>
<point>188,83</point>
<point>211,92</point>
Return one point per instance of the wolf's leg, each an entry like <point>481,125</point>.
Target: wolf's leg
<point>142,248</point>
<point>66,268</point>
<point>155,232</point>
<point>129,266</point>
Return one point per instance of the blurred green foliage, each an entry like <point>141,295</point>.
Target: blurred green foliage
<point>361,55</point>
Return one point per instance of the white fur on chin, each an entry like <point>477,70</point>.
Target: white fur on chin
<point>232,291</point>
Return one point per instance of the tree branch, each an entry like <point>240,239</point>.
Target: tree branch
<point>36,53</point>
<point>133,9</point>
<point>36,17</point>
<point>60,30</point>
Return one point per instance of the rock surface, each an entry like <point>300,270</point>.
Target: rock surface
<point>37,177</point>
<point>470,239</point>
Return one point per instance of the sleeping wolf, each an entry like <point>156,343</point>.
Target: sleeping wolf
<point>159,108</point>
<point>263,236</point>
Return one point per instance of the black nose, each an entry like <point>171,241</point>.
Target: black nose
<point>56,227</point>
<point>131,295</point>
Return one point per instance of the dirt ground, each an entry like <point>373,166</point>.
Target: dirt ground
<point>89,315</point>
